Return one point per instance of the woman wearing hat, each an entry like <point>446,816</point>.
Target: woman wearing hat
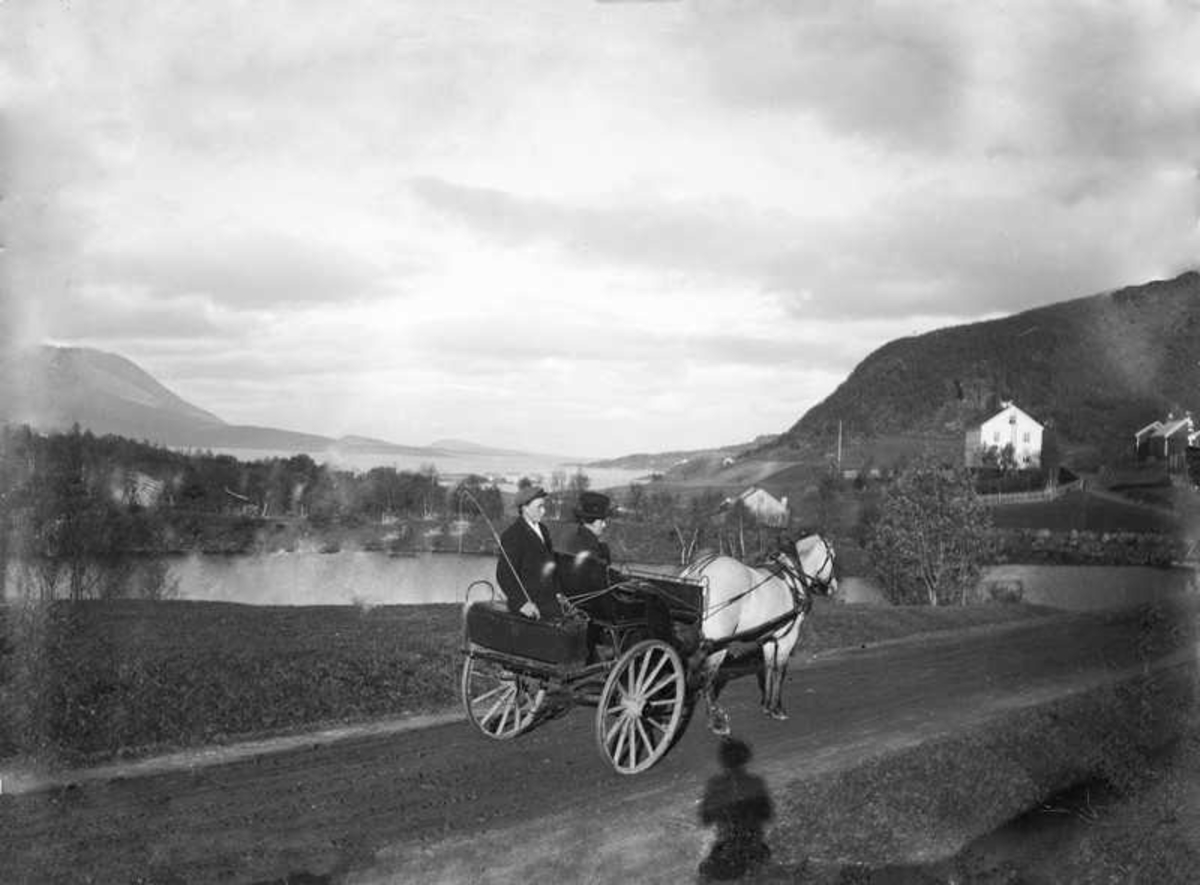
<point>591,574</point>
<point>591,556</point>
<point>525,571</point>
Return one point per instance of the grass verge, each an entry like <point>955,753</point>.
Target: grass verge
<point>87,682</point>
<point>965,807</point>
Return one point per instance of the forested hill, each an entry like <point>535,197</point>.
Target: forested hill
<point>1095,368</point>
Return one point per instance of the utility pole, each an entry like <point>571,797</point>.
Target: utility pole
<point>839,450</point>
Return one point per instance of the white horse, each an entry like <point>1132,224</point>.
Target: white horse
<point>762,605</point>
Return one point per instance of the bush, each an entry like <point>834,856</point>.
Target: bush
<point>929,539</point>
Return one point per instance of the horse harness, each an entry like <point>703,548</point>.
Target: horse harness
<point>801,585</point>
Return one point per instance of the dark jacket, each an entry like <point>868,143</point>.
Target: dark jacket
<point>590,560</point>
<point>533,560</point>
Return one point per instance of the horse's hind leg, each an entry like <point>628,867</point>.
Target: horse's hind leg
<point>718,719</point>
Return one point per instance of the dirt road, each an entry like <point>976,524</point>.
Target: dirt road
<point>444,804</point>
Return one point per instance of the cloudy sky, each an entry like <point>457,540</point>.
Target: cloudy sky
<point>590,228</point>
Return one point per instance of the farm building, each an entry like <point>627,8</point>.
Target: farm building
<point>1008,427</point>
<point>1167,441</point>
<point>767,509</point>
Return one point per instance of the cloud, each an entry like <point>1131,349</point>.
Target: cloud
<point>863,69</point>
<point>241,270</point>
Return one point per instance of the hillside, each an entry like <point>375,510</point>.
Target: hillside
<point>1094,369</point>
<point>53,388</point>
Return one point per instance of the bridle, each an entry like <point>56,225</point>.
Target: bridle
<point>802,584</point>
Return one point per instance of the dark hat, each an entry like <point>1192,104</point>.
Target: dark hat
<point>593,505</point>
<point>529,493</point>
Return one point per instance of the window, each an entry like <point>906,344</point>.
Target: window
<point>996,436</point>
<point>1025,437</point>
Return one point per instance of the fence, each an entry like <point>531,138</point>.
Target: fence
<point>1049,493</point>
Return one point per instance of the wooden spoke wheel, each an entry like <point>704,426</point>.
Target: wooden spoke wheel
<point>641,706</point>
<point>501,703</point>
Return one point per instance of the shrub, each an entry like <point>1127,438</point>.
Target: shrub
<point>929,539</point>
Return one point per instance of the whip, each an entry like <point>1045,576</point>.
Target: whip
<point>465,493</point>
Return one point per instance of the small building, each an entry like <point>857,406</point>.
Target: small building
<point>767,509</point>
<point>1167,441</point>
<point>1009,427</point>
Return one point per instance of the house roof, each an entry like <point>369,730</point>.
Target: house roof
<point>1166,429</point>
<point>1175,426</point>
<point>751,491</point>
<point>1013,408</point>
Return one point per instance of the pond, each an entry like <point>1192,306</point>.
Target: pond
<point>310,578</point>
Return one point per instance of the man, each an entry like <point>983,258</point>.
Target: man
<point>525,570</point>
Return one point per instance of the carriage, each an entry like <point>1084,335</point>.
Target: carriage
<point>644,678</point>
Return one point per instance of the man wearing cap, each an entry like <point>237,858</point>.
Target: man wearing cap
<point>525,570</point>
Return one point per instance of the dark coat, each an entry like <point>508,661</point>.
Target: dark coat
<point>590,560</point>
<point>533,560</point>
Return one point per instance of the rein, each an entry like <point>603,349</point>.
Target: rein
<point>801,584</point>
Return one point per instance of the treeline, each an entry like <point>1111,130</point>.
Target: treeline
<point>75,507</point>
<point>80,467</point>
<point>86,515</point>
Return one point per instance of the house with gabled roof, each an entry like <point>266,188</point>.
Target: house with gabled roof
<point>767,509</point>
<point>1010,426</point>
<point>1167,441</point>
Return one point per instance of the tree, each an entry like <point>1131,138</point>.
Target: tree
<point>829,490</point>
<point>929,539</point>
<point>484,494</point>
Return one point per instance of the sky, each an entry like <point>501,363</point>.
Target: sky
<point>588,228</point>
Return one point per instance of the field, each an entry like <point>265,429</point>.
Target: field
<point>1085,511</point>
<point>98,680</point>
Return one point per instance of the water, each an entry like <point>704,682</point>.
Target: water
<point>505,469</point>
<point>310,578</point>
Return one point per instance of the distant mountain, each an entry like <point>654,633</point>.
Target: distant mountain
<point>466,447</point>
<point>663,461</point>
<point>1095,369</point>
<point>53,388</point>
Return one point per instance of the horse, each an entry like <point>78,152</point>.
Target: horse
<point>763,605</point>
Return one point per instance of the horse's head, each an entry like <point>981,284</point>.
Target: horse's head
<point>813,558</point>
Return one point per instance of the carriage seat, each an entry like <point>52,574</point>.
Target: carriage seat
<point>491,625</point>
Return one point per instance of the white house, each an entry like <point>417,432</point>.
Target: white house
<point>1009,426</point>
<point>766,508</point>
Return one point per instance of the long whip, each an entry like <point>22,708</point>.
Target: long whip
<point>465,493</point>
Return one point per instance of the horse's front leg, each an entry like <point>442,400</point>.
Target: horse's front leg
<point>774,669</point>
<point>718,719</point>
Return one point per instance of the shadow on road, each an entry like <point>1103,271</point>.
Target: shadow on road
<point>738,804</point>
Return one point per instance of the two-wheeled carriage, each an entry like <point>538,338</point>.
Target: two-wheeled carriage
<point>644,677</point>
<point>640,679</point>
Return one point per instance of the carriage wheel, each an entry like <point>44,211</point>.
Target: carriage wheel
<point>501,703</point>
<point>641,706</point>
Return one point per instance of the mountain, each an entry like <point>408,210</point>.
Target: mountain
<point>53,388</point>
<point>466,447</point>
<point>663,461</point>
<point>1095,369</point>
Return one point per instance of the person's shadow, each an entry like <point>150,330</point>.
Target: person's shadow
<point>738,803</point>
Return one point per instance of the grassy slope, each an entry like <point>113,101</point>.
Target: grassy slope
<point>97,680</point>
